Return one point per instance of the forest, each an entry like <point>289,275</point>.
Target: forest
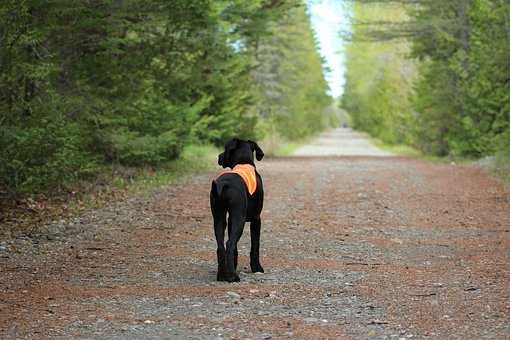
<point>432,74</point>
<point>88,85</point>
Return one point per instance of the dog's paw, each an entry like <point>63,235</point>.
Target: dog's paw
<point>228,277</point>
<point>256,268</point>
<point>232,278</point>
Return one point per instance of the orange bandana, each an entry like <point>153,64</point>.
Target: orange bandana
<point>247,173</point>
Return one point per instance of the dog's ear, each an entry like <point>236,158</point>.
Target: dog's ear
<point>230,146</point>
<point>258,151</point>
<point>221,159</point>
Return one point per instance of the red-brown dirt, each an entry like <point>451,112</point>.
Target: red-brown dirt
<point>353,247</point>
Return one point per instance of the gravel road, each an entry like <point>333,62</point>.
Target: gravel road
<point>341,142</point>
<point>354,246</point>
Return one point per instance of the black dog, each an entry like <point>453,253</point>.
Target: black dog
<point>230,193</point>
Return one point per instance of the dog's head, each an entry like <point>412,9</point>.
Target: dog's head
<point>238,151</point>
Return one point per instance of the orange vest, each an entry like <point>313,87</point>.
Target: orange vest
<point>247,173</point>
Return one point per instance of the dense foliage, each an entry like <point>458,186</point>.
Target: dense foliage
<point>294,92</point>
<point>379,78</point>
<point>88,83</point>
<point>461,99</point>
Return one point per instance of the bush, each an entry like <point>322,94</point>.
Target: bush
<point>35,159</point>
<point>132,148</point>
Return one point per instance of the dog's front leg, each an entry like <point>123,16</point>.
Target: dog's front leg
<point>255,245</point>
<point>235,230</point>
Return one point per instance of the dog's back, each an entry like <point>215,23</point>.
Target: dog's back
<point>230,191</point>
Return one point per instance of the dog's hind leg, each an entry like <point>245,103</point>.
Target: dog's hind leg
<point>255,245</point>
<point>220,224</point>
<point>236,254</point>
<point>219,231</point>
<point>235,230</point>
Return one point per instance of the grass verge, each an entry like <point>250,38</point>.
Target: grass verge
<point>277,146</point>
<point>114,183</point>
<point>399,149</point>
<point>409,151</point>
<point>498,165</point>
<point>501,167</point>
<point>194,159</point>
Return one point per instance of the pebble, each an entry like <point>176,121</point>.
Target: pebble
<point>234,295</point>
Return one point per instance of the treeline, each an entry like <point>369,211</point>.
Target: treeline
<point>439,74</point>
<point>84,84</point>
<point>289,74</point>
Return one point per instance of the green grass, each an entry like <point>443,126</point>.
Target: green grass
<point>409,151</point>
<point>498,166</point>
<point>288,148</point>
<point>277,146</point>
<point>194,159</point>
<point>397,149</point>
<point>501,166</point>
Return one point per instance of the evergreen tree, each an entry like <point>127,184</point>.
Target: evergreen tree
<point>290,75</point>
<point>461,102</point>
<point>85,84</point>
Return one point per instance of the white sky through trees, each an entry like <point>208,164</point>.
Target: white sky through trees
<point>329,18</point>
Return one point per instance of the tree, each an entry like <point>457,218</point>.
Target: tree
<point>379,76</point>
<point>460,99</point>
<point>293,89</point>
<point>87,84</point>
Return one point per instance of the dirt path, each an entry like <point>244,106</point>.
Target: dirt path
<point>341,142</point>
<point>353,247</point>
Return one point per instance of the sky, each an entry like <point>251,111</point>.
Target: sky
<point>329,17</point>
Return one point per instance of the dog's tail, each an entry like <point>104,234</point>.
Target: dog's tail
<point>217,188</point>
